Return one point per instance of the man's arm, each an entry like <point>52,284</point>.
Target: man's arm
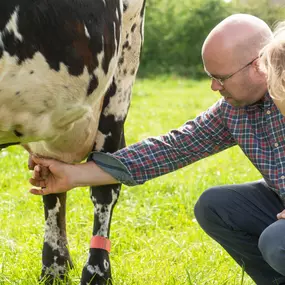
<point>155,156</point>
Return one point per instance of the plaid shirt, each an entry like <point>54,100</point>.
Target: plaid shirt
<point>258,129</point>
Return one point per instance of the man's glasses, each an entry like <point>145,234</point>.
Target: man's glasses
<point>221,80</point>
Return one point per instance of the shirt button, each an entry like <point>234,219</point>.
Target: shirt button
<point>276,144</point>
<point>282,177</point>
<point>268,112</point>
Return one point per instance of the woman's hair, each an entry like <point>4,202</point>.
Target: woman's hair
<point>272,62</point>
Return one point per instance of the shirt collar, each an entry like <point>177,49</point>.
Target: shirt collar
<point>265,102</point>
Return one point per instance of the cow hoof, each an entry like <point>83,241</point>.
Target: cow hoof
<point>49,279</point>
<point>94,279</point>
<point>56,274</point>
<point>97,270</point>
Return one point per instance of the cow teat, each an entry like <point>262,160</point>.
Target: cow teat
<point>62,118</point>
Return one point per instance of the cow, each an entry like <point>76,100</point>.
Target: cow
<point>67,68</point>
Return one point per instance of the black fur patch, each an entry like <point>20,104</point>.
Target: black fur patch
<point>125,6</point>
<point>133,27</point>
<point>56,29</point>
<point>93,84</point>
<point>110,93</point>
<point>7,144</point>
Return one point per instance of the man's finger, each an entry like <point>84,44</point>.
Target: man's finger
<point>37,182</point>
<point>40,172</point>
<point>31,163</point>
<point>45,172</point>
<point>41,192</point>
<point>41,161</point>
<point>37,172</point>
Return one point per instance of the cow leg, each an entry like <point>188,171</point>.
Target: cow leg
<point>97,269</point>
<point>55,256</point>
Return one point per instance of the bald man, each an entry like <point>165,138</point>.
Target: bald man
<point>245,219</point>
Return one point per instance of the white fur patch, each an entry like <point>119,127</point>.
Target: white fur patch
<point>118,105</point>
<point>104,217</point>
<point>54,269</point>
<point>106,264</point>
<point>12,25</point>
<point>94,270</point>
<point>52,231</point>
<point>100,140</point>
<point>86,32</point>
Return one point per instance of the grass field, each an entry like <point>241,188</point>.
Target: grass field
<point>155,238</point>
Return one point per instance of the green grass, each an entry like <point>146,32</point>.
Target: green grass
<point>155,237</point>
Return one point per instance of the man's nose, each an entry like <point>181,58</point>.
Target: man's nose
<point>216,85</point>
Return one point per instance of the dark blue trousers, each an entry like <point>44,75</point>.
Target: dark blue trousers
<point>242,219</point>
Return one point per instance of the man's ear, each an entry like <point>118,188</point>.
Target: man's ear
<point>255,65</point>
<point>257,68</point>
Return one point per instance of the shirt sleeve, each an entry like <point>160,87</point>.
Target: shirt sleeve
<point>156,156</point>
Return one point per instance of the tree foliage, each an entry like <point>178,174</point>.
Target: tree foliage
<point>175,31</point>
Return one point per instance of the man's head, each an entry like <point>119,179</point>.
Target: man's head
<point>230,56</point>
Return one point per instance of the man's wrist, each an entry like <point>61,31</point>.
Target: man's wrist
<point>89,174</point>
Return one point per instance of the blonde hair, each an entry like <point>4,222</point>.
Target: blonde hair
<point>272,63</point>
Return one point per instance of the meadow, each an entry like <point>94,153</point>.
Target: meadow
<point>155,237</point>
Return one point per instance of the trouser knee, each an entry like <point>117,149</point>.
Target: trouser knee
<point>272,246</point>
<point>204,209</point>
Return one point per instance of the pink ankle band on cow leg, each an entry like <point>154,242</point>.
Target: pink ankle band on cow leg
<point>100,242</point>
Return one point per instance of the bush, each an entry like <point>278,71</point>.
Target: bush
<point>174,33</point>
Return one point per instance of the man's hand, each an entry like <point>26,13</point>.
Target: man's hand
<point>50,175</point>
<point>53,176</point>
<point>31,163</point>
<point>41,171</point>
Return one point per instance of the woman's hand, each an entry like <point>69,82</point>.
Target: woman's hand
<point>281,215</point>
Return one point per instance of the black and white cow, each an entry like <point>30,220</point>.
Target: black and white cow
<point>67,68</point>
